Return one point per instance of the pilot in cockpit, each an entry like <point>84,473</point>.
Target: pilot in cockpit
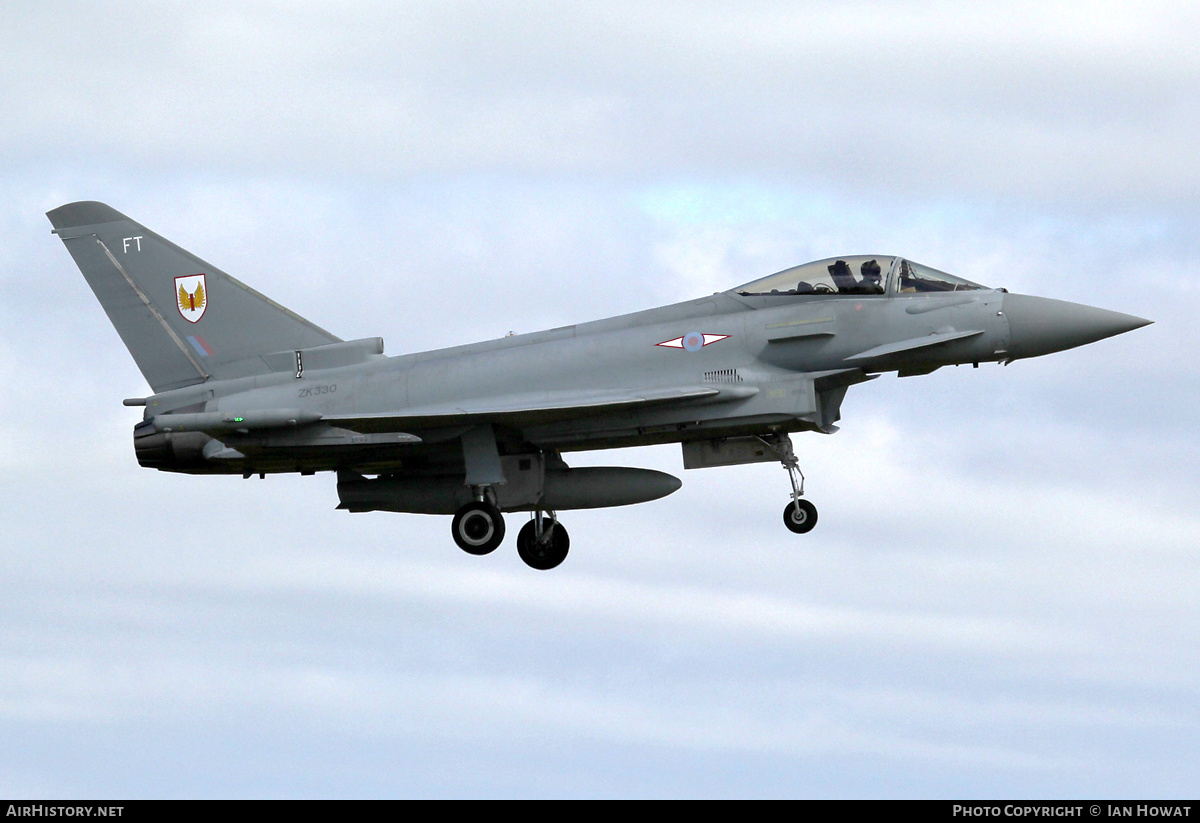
<point>872,277</point>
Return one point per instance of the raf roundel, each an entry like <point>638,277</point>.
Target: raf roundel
<point>692,341</point>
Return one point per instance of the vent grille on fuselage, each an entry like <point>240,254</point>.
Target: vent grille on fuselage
<point>722,376</point>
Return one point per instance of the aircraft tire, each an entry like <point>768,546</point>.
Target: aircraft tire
<point>802,519</point>
<point>547,554</point>
<point>478,528</point>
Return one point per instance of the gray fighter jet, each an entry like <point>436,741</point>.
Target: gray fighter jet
<point>241,385</point>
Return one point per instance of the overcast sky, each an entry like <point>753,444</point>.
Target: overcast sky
<point>1000,597</point>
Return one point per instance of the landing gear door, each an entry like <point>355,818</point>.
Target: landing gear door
<point>526,477</point>
<point>729,451</point>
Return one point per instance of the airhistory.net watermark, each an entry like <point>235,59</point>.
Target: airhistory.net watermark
<point>43,810</point>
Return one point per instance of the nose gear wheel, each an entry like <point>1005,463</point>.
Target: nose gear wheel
<point>800,515</point>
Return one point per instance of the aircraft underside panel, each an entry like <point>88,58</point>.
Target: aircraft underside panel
<point>805,402</point>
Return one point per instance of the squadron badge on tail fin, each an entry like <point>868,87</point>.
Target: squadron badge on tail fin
<point>191,297</point>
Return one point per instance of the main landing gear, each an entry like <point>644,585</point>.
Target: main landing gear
<point>478,528</point>
<point>543,542</point>
<point>800,515</point>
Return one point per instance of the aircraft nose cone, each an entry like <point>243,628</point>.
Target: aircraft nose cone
<point>1040,325</point>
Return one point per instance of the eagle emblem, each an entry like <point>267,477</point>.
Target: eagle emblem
<point>191,296</point>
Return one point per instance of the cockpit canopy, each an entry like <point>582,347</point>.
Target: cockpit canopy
<point>860,275</point>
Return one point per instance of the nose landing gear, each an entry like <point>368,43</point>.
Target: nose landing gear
<point>800,515</point>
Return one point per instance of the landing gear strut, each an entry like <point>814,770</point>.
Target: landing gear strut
<point>800,515</point>
<point>543,542</point>
<point>478,528</point>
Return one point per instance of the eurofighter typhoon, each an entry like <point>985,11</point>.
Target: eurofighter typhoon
<point>241,385</point>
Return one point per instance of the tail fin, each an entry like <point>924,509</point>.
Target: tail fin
<point>183,320</point>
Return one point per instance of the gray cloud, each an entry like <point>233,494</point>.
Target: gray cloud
<point>1058,103</point>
